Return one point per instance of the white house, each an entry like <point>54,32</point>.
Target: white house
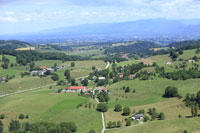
<point>101,78</point>
<point>168,63</point>
<point>138,117</point>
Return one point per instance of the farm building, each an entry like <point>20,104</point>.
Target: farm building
<point>191,61</point>
<point>75,89</point>
<point>138,117</point>
<point>102,89</point>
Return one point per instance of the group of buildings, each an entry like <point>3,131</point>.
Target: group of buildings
<point>43,70</point>
<point>83,89</point>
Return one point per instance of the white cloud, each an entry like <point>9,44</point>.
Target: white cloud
<point>84,13</point>
<point>8,19</point>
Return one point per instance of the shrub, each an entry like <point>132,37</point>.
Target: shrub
<point>119,124</point>
<point>118,108</point>
<point>146,118</point>
<point>102,107</point>
<point>171,92</point>
<point>126,111</point>
<point>21,116</point>
<point>2,116</point>
<point>128,122</point>
<point>161,116</point>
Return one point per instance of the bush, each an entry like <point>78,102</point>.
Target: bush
<point>126,111</point>
<point>27,116</point>
<point>55,77</point>
<point>59,90</point>
<point>109,125</point>
<point>92,131</point>
<point>14,126</point>
<point>69,125</point>
<point>1,126</point>
<point>118,108</point>
<point>2,116</point>
<point>128,122</point>
<point>127,89</point>
<point>161,116</point>
<point>146,118</point>
<point>141,111</point>
<point>119,124</point>
<point>171,92</point>
<point>21,116</point>
<point>102,107</point>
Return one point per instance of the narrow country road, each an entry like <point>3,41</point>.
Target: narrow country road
<point>103,119</point>
<point>22,91</point>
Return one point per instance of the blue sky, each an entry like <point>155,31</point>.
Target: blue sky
<point>18,16</point>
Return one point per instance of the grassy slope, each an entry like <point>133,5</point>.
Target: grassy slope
<point>45,105</point>
<point>82,68</point>
<point>24,84</point>
<point>11,70</point>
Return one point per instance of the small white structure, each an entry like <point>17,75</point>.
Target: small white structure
<point>51,69</point>
<point>138,117</point>
<point>101,78</point>
<point>191,61</point>
<point>168,63</point>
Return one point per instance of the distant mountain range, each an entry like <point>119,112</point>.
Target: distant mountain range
<point>150,28</point>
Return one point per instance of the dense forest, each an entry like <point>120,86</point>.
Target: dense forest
<point>24,57</point>
<point>141,48</point>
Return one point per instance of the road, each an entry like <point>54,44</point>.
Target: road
<point>27,90</point>
<point>103,119</point>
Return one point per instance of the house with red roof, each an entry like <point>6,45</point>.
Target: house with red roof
<point>75,89</point>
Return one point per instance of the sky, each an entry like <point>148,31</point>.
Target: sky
<point>18,16</point>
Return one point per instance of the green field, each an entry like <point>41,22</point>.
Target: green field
<point>46,105</point>
<point>82,68</point>
<point>148,95</point>
<point>25,83</point>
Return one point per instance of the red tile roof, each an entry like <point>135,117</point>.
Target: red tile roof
<point>75,88</point>
<point>43,67</point>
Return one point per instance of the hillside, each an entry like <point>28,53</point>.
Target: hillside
<point>134,48</point>
<point>13,44</point>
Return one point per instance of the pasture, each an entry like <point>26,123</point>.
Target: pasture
<point>46,105</point>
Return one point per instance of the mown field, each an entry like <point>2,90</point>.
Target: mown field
<point>46,105</point>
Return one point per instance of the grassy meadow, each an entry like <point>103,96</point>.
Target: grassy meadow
<point>46,105</point>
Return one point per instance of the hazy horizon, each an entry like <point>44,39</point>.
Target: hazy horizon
<point>31,16</point>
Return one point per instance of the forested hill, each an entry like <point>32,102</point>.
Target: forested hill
<point>134,48</point>
<point>184,43</point>
<point>13,44</point>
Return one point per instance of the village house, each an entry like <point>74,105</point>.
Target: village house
<point>75,89</point>
<point>168,63</point>
<point>121,75</point>
<point>138,117</point>
<point>43,67</point>
<point>2,78</point>
<point>131,76</point>
<point>50,69</point>
<point>191,61</point>
<point>102,89</point>
<point>101,78</point>
<point>40,72</point>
